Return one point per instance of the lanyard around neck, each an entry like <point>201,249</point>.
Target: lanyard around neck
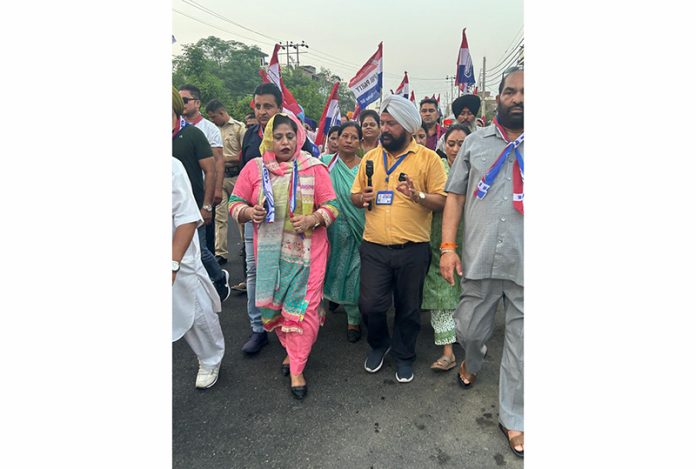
<point>394,166</point>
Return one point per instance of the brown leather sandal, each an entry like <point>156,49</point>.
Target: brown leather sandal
<point>514,441</point>
<point>444,363</point>
<point>463,375</point>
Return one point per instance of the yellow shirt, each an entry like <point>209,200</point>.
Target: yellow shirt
<point>232,134</point>
<point>403,220</point>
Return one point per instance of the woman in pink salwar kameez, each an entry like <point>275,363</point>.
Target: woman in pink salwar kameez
<point>287,194</point>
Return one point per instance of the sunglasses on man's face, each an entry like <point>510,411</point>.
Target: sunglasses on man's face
<point>186,100</point>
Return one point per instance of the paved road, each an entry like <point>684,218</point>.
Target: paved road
<point>350,418</point>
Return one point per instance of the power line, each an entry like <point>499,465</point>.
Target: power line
<point>513,52</point>
<point>512,42</point>
<point>218,15</point>
<point>327,57</point>
<point>321,59</point>
<point>332,59</point>
<point>504,69</point>
<point>220,29</point>
<point>505,66</point>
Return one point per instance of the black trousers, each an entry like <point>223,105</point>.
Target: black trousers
<point>210,233</point>
<point>397,272</point>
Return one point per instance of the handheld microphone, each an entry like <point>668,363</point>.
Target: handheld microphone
<point>402,177</point>
<point>369,171</point>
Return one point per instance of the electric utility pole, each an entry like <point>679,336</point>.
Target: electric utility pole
<point>290,44</point>
<point>451,83</point>
<point>483,89</point>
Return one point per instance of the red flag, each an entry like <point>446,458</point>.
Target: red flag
<point>273,76</point>
<point>413,97</point>
<point>330,115</point>
<point>356,112</point>
<point>403,87</point>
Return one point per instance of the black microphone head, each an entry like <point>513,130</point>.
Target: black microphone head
<point>369,167</point>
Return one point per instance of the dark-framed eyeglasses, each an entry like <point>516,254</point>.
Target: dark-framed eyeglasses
<point>186,100</point>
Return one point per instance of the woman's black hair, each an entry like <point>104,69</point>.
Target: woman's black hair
<point>454,127</point>
<point>353,124</point>
<point>334,128</point>
<point>369,113</point>
<point>281,119</point>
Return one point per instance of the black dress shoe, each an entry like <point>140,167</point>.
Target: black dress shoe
<point>298,392</point>
<point>285,368</point>
<point>354,335</point>
<point>221,260</point>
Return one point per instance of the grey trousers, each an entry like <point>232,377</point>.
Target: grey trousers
<point>475,320</point>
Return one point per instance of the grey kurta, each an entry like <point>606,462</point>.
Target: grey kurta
<point>493,240</point>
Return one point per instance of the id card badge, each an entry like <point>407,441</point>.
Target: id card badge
<point>384,198</point>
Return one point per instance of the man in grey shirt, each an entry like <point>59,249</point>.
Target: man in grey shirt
<point>485,186</point>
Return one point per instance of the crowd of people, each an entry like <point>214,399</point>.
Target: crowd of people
<point>399,211</point>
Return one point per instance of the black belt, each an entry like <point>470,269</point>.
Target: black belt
<point>397,246</point>
<point>231,171</point>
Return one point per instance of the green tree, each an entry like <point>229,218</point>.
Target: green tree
<point>229,71</point>
<point>224,70</point>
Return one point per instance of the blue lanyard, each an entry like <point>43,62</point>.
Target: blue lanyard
<point>398,162</point>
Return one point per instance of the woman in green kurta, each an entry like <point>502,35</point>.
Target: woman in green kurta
<point>439,296</point>
<point>342,283</point>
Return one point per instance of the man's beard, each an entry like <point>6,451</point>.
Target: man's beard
<point>514,121</point>
<point>396,144</point>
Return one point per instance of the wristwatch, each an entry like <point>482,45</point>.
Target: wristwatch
<point>175,266</point>
<point>207,207</point>
<point>421,197</point>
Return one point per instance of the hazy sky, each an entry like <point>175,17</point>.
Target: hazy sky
<point>423,40</point>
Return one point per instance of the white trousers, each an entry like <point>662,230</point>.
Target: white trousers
<point>205,336</point>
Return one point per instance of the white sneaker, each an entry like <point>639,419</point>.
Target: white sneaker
<point>227,290</point>
<point>207,378</point>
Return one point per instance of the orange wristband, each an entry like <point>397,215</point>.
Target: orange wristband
<point>448,246</point>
